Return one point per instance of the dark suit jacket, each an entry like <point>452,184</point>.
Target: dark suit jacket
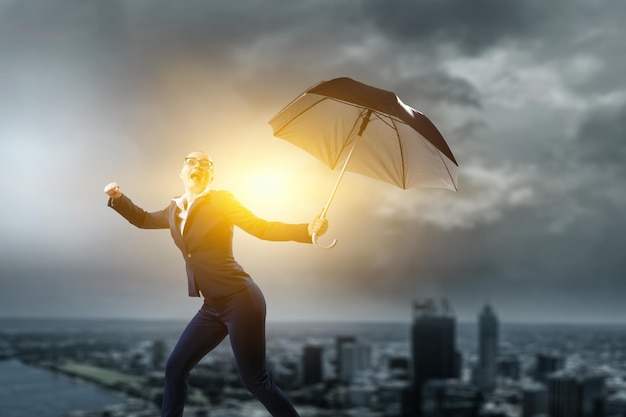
<point>206,243</point>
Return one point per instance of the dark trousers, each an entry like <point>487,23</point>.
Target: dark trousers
<point>242,317</point>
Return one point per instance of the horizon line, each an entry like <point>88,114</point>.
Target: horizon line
<point>317,321</point>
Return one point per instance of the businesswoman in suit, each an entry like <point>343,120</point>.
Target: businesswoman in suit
<point>201,223</point>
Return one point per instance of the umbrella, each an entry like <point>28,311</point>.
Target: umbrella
<point>370,132</point>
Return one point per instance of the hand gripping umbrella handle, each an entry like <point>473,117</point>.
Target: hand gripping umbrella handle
<point>316,243</point>
<point>314,236</point>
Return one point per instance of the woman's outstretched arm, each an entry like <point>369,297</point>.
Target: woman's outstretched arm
<point>133,213</point>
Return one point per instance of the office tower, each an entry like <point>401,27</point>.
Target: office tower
<point>363,357</point>
<point>488,348</point>
<point>340,341</point>
<point>534,400</point>
<point>312,365</point>
<point>497,411</point>
<point>546,364</point>
<point>450,398</point>
<point>433,349</point>
<point>390,395</point>
<point>399,368</point>
<point>575,393</point>
<point>433,342</point>
<point>615,405</point>
<point>509,367</point>
<point>354,358</point>
<point>361,395</point>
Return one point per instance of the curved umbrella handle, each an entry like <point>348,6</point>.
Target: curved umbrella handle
<point>316,243</point>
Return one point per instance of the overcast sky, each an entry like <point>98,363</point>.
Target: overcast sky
<point>530,96</point>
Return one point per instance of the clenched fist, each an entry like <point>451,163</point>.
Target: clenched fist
<point>113,190</point>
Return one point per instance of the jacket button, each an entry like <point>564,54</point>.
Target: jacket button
<point>189,255</point>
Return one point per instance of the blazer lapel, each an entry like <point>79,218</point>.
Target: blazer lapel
<point>204,213</point>
<point>175,224</point>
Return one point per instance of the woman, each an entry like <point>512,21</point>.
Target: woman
<point>201,223</point>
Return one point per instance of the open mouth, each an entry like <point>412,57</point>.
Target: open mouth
<point>196,176</point>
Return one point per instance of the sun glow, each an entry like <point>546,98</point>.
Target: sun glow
<point>268,185</point>
<point>270,192</point>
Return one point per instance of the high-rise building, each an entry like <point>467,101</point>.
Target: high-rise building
<point>433,342</point>
<point>488,341</point>
<point>615,405</point>
<point>340,341</point>
<point>361,395</point>
<point>575,393</point>
<point>390,395</point>
<point>312,364</point>
<point>509,367</point>
<point>354,358</point>
<point>399,368</point>
<point>534,400</point>
<point>546,364</point>
<point>450,398</point>
<point>433,349</point>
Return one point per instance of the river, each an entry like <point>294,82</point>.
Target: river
<point>27,392</point>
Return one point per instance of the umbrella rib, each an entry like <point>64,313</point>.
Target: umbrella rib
<point>374,111</point>
<point>345,143</point>
<point>299,114</point>
<point>395,129</point>
<point>393,121</point>
<point>393,126</point>
<point>456,188</point>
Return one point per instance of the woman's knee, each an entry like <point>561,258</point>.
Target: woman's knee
<point>258,384</point>
<point>176,369</point>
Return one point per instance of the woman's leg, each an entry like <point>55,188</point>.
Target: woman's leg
<point>203,333</point>
<point>245,320</point>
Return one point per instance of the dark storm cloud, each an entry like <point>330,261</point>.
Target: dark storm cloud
<point>601,139</point>
<point>131,26</point>
<point>439,87</point>
<point>473,26</point>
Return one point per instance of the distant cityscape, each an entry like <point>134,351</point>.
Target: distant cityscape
<point>430,367</point>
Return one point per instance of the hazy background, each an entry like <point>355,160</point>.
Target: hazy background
<point>529,95</point>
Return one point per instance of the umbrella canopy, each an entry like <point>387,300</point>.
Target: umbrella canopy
<point>397,143</point>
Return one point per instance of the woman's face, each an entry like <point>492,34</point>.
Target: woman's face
<point>197,171</point>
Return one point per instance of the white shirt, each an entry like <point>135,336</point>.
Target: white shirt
<point>181,203</point>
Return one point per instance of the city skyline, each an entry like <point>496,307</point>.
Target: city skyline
<point>302,355</point>
<point>529,96</point>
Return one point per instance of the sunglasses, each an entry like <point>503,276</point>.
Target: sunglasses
<point>204,163</point>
